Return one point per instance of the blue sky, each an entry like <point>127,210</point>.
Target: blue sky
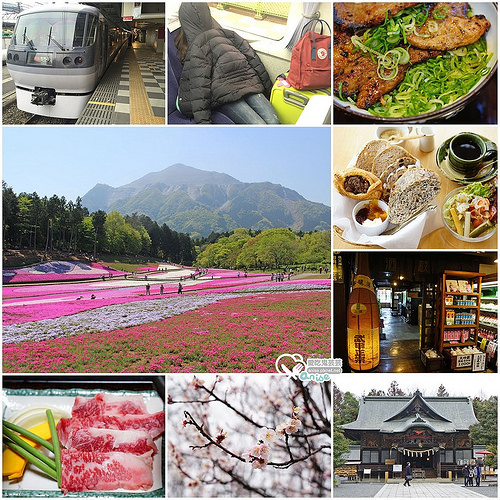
<point>69,161</point>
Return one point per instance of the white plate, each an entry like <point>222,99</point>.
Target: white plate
<point>491,13</point>
<point>36,484</point>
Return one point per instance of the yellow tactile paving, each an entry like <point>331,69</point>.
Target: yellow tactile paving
<point>140,109</point>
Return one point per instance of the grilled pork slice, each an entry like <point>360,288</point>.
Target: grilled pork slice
<point>353,16</point>
<point>99,471</point>
<point>454,30</point>
<point>375,87</point>
<point>358,76</point>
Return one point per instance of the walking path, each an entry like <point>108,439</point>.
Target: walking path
<point>427,490</point>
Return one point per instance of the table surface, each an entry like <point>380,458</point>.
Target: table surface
<point>349,140</point>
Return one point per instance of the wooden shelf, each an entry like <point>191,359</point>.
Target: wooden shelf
<point>488,326</point>
<point>474,281</point>
<point>461,326</point>
<point>447,343</point>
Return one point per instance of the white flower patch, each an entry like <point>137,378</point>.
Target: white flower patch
<point>107,318</point>
<point>117,316</point>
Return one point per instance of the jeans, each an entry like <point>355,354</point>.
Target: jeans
<point>253,109</point>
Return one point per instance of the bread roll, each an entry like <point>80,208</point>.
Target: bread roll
<point>411,192</point>
<point>369,152</point>
<point>392,173</point>
<point>358,184</point>
<point>388,157</point>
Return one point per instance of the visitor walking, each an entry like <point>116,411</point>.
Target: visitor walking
<point>478,475</point>
<point>161,289</point>
<point>408,476</point>
<point>465,472</point>
<point>148,289</point>
<point>471,475</point>
<point>179,289</point>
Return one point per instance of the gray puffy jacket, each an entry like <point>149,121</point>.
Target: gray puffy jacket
<point>220,66</point>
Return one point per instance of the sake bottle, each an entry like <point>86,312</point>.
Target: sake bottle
<point>363,320</point>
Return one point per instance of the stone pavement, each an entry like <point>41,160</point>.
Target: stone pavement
<point>428,490</point>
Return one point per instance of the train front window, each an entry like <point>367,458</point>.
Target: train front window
<point>44,29</point>
<point>91,30</point>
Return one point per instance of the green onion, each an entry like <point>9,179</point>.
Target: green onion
<point>341,97</point>
<point>438,82</point>
<point>28,434</point>
<point>55,444</point>
<point>441,12</point>
<point>28,449</point>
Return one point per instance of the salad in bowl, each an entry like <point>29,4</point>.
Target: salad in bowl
<point>470,212</point>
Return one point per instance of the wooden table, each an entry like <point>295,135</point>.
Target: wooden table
<point>349,140</point>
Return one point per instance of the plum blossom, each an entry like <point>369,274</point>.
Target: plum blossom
<point>268,435</point>
<point>258,455</point>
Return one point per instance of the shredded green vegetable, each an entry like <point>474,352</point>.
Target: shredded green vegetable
<point>382,43</point>
<point>436,83</point>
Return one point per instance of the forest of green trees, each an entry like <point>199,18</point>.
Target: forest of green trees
<point>56,224</point>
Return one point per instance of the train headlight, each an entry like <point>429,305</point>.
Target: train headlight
<point>79,60</point>
<point>67,60</point>
<point>16,57</point>
<point>9,56</point>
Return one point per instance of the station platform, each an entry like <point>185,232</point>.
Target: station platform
<point>132,91</point>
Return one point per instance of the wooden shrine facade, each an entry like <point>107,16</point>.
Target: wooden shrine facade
<point>432,433</point>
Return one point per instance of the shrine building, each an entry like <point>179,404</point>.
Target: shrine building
<point>432,433</point>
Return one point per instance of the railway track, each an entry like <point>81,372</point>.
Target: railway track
<point>33,119</point>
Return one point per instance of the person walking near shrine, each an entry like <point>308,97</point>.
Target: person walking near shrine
<point>408,476</point>
<point>478,475</point>
<point>465,472</point>
<point>471,475</point>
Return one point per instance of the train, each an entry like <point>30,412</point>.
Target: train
<point>57,56</point>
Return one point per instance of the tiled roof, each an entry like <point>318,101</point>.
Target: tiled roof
<point>390,414</point>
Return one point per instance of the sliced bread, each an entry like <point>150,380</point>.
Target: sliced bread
<point>388,157</point>
<point>393,172</point>
<point>411,192</point>
<point>369,152</point>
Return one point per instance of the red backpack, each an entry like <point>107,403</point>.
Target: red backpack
<point>311,63</point>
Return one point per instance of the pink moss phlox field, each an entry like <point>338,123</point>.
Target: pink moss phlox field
<point>244,334</point>
<point>24,304</point>
<point>57,271</point>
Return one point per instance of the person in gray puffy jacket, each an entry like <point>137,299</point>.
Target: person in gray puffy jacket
<point>221,71</point>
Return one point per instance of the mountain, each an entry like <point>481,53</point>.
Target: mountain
<point>198,202</point>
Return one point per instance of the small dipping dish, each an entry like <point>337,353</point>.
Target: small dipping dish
<point>371,217</point>
<point>393,130</point>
